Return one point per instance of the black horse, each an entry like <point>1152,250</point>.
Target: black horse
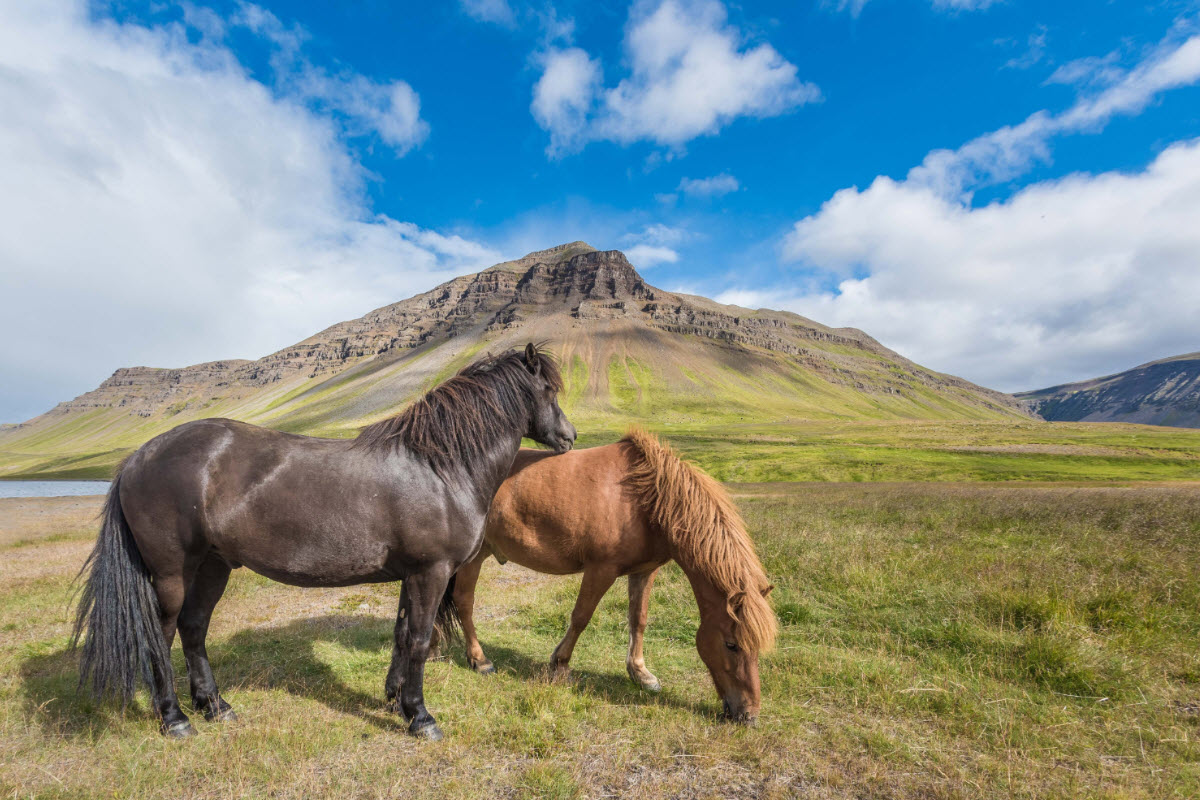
<point>406,501</point>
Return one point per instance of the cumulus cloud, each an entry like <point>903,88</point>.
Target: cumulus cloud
<point>1066,279</point>
<point>715,186</point>
<point>562,96</point>
<point>690,74</point>
<point>161,207</point>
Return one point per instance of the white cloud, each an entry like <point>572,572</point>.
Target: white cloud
<point>563,95</point>
<point>1035,50</point>
<point>161,207</point>
<point>1008,152</point>
<point>659,234</point>
<point>1088,72</point>
<point>391,110</point>
<point>855,7</point>
<point>1067,279</point>
<point>645,256</point>
<point>690,74</point>
<point>655,244</point>
<point>495,11</point>
<point>964,5</point>
<point>715,186</point>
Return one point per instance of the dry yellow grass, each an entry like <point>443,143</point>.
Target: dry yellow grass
<point>936,641</point>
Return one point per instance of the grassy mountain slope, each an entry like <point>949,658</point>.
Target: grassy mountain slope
<point>629,352</point>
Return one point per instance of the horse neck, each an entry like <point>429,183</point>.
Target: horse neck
<point>709,598</point>
<point>492,467</point>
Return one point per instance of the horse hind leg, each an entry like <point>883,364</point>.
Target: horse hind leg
<point>174,722</point>
<point>207,588</point>
<point>464,600</point>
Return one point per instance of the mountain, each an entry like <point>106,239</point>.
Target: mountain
<point>629,351</point>
<point>1164,392</point>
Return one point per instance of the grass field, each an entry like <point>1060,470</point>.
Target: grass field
<point>938,640</point>
<point>832,450</point>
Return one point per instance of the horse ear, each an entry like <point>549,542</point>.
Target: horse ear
<point>532,362</point>
<point>733,605</point>
<point>767,590</point>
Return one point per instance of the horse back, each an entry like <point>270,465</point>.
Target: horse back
<point>558,513</point>
<point>298,509</point>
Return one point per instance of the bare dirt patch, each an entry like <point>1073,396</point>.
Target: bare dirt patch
<point>30,519</point>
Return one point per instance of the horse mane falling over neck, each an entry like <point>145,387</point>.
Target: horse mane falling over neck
<point>707,534</point>
<point>460,421</point>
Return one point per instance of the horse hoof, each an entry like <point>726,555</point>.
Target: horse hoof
<point>486,668</point>
<point>647,681</point>
<point>430,732</point>
<point>179,730</point>
<point>225,714</point>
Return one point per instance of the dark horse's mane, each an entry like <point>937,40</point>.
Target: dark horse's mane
<point>457,422</point>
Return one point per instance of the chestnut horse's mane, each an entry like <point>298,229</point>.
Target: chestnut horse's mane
<point>707,532</point>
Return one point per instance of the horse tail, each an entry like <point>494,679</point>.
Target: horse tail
<point>705,531</point>
<point>447,623</point>
<point>118,608</point>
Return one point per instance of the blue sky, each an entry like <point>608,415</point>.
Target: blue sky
<point>1002,190</point>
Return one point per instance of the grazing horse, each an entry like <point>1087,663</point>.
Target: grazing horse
<point>626,509</point>
<point>406,500</point>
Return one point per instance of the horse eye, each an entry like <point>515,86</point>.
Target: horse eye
<point>731,647</point>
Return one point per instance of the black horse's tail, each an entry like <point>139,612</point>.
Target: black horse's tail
<point>448,624</point>
<point>119,609</point>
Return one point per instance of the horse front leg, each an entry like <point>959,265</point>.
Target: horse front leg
<point>639,609</point>
<point>597,578</point>
<point>419,600</point>
<point>395,676</point>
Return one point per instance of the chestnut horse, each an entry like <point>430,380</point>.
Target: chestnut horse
<point>406,500</point>
<point>626,509</point>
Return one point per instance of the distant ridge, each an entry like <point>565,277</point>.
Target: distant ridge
<point>1163,392</point>
<point>630,352</point>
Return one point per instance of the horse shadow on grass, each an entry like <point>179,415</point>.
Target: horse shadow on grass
<point>287,659</point>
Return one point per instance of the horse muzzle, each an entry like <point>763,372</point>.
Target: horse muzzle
<point>565,441</point>
<point>740,716</point>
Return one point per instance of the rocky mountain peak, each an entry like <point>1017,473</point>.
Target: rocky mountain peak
<point>597,275</point>
<point>552,255</point>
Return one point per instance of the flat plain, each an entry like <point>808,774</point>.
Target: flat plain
<point>970,637</point>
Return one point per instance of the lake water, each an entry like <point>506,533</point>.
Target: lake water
<point>51,488</point>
